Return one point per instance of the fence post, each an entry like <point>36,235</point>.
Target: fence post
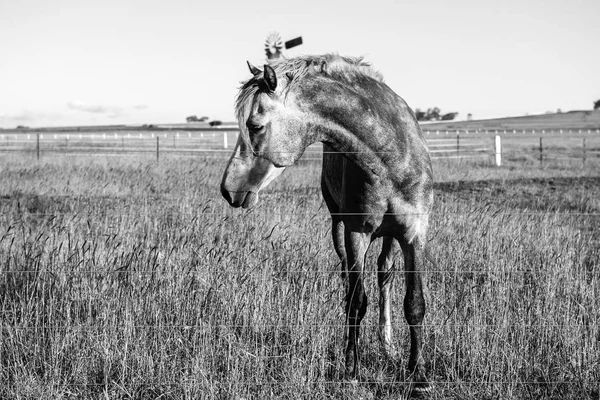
<point>224,140</point>
<point>37,147</point>
<point>157,148</point>
<point>541,152</point>
<point>457,143</point>
<point>498,150</point>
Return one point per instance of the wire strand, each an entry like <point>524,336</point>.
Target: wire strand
<point>229,213</point>
<point>141,381</point>
<point>158,326</point>
<point>283,272</point>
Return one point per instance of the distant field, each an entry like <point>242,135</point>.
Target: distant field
<point>124,278</point>
<point>572,120</point>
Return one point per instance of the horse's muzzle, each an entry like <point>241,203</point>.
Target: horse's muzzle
<point>240,199</point>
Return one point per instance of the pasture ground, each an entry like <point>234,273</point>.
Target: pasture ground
<point>120,278</point>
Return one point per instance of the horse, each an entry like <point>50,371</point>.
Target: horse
<point>376,178</point>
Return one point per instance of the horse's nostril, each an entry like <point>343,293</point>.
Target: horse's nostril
<point>226,194</point>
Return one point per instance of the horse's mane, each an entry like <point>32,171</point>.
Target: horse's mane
<point>291,71</point>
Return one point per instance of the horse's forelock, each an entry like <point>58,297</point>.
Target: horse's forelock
<point>243,105</point>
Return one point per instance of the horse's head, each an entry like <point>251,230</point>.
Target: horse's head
<point>269,138</point>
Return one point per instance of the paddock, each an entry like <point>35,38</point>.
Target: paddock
<point>122,277</point>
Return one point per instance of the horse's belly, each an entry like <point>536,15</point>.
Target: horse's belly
<point>361,200</point>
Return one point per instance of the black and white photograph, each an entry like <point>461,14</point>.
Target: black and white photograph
<point>299,200</point>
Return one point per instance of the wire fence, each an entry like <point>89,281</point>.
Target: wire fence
<point>496,145</point>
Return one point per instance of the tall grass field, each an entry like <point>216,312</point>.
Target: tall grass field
<point>121,278</point>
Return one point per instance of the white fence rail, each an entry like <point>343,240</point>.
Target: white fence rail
<point>493,132</point>
<point>538,144</point>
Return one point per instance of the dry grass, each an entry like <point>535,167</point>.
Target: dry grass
<point>123,279</point>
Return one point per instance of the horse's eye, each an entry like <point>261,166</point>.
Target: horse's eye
<point>253,128</point>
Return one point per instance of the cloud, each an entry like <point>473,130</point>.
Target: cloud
<point>28,116</point>
<point>75,113</point>
<point>74,105</point>
<point>110,111</point>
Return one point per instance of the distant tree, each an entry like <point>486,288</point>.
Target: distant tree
<point>428,115</point>
<point>469,117</point>
<point>420,114</point>
<point>433,114</point>
<point>194,118</point>
<point>449,116</point>
<point>22,127</point>
<point>215,123</point>
<point>597,104</point>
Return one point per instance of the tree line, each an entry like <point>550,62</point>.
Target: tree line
<point>434,114</point>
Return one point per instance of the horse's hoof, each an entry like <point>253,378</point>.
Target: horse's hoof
<point>352,382</point>
<point>350,378</point>
<point>389,353</point>
<point>420,390</point>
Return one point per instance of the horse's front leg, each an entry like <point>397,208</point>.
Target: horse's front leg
<point>357,244</point>
<point>337,233</point>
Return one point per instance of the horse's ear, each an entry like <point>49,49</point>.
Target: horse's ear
<point>270,78</point>
<point>253,70</point>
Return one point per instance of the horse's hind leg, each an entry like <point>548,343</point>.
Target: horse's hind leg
<point>385,275</point>
<point>357,244</point>
<point>414,311</point>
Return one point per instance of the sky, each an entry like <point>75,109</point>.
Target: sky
<point>92,62</point>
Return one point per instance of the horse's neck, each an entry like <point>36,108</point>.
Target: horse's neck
<point>363,128</point>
